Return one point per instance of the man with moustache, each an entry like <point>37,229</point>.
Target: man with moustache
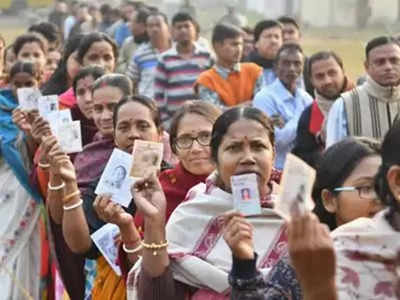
<point>369,110</point>
<point>283,101</point>
<point>329,81</point>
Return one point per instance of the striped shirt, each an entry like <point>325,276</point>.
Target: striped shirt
<point>175,77</point>
<point>142,69</point>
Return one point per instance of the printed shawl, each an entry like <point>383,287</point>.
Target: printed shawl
<point>200,257</point>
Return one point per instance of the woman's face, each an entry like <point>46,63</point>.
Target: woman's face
<point>53,59</point>
<point>246,148</point>
<point>84,96</point>
<point>23,80</point>
<point>101,54</point>
<point>348,205</point>
<point>104,100</point>
<point>33,53</point>
<point>73,66</point>
<point>197,158</point>
<point>135,122</point>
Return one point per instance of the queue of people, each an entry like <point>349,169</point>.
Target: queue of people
<point>129,74</point>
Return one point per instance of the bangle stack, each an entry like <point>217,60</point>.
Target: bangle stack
<point>155,247</point>
<point>56,188</point>
<point>132,251</point>
<point>73,206</point>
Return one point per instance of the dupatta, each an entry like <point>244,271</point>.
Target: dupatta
<point>199,255</point>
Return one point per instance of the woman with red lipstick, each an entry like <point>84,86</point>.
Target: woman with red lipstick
<point>188,259</point>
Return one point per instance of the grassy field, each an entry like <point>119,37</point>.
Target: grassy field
<point>349,44</point>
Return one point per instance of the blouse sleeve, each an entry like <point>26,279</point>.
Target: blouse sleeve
<point>249,284</point>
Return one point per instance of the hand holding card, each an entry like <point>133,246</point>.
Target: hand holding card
<point>246,197</point>
<point>146,155</point>
<point>297,183</point>
<point>47,105</point>
<point>115,180</point>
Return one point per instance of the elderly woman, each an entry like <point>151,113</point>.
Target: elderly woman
<point>188,258</point>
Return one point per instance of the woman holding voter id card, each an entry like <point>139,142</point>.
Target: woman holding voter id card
<point>188,259</point>
<point>366,265</point>
<point>79,219</point>
<point>343,191</point>
<point>20,213</point>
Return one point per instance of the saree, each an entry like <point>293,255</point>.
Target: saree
<point>20,249</point>
<point>200,257</point>
<point>367,258</point>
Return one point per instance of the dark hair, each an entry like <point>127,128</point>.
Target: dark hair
<point>289,47</point>
<point>323,55</point>
<point>94,37</point>
<point>28,38</point>
<point>379,41</point>
<point>119,81</point>
<point>390,157</point>
<point>265,24</point>
<point>142,15</point>
<point>92,71</point>
<point>224,31</point>
<point>24,67</point>
<point>149,103</point>
<point>183,17</point>
<point>248,30</point>
<point>49,30</point>
<point>58,82</point>
<point>105,9</point>
<point>335,166</point>
<point>197,107</point>
<point>158,14</point>
<point>289,20</point>
<point>221,126</point>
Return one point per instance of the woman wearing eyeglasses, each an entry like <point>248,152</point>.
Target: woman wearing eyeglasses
<point>190,136</point>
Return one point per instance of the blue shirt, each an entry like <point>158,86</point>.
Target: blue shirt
<point>276,100</point>
<point>270,77</point>
<point>336,126</point>
<point>121,33</point>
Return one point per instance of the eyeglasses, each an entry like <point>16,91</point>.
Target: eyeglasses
<point>186,141</point>
<point>366,192</point>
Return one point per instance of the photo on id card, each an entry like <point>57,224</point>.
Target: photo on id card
<point>246,197</point>
<point>296,187</point>
<point>146,155</point>
<point>69,136</point>
<point>115,180</point>
<point>105,240</point>
<point>28,98</point>
<point>47,105</point>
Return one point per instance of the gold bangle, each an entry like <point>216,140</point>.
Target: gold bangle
<point>70,196</point>
<point>155,247</point>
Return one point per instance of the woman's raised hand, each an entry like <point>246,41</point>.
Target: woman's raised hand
<point>40,128</point>
<point>239,235</point>
<point>60,163</point>
<point>150,198</point>
<point>312,255</point>
<point>21,120</point>
<point>111,212</point>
